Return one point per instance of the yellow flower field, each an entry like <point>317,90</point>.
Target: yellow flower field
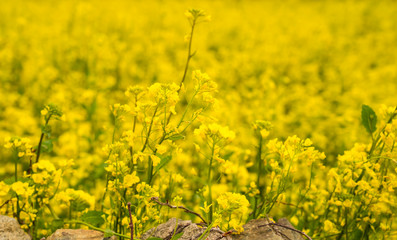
<point>236,110</point>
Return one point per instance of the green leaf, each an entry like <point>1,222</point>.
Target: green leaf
<point>79,204</point>
<point>356,234</point>
<point>368,118</point>
<point>228,155</point>
<point>175,137</point>
<point>9,181</point>
<point>94,218</point>
<point>163,162</point>
<point>56,224</point>
<point>177,236</point>
<point>112,205</point>
<point>46,146</point>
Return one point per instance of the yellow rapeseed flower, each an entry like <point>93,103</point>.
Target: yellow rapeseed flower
<point>130,179</point>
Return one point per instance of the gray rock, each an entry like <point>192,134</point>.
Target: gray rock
<point>260,230</point>
<point>10,229</point>
<point>193,232</point>
<point>76,234</point>
<point>166,230</point>
<point>287,232</point>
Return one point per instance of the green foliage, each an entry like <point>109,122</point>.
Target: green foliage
<point>176,137</point>
<point>164,161</point>
<point>47,146</point>
<point>56,224</point>
<point>368,119</point>
<point>94,218</point>
<point>177,236</point>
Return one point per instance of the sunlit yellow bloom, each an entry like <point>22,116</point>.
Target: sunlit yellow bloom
<point>155,160</point>
<point>130,179</point>
<point>329,227</point>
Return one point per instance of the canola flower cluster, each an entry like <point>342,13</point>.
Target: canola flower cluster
<point>222,142</point>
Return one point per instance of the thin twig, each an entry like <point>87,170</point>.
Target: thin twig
<point>131,223</point>
<point>2,205</point>
<point>156,200</point>
<point>286,227</point>
<point>277,232</point>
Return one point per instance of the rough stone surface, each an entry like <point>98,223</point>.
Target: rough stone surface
<point>255,229</point>
<point>193,232</point>
<point>10,229</point>
<point>289,233</point>
<point>76,234</point>
<point>166,230</point>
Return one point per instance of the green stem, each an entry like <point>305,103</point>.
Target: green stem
<point>346,224</point>
<point>259,173</point>
<point>52,211</point>
<point>187,107</point>
<point>16,166</point>
<point>189,55</point>
<point>150,164</point>
<point>41,141</point>
<point>150,130</point>
<point>190,123</point>
<point>176,227</point>
<point>135,117</point>
<point>209,182</point>
<point>70,209</point>
<point>106,190</point>
<point>18,211</point>
<point>205,233</point>
<point>99,229</point>
<point>35,206</point>
<point>281,186</point>
<point>307,190</point>
<point>365,232</point>
<point>150,171</point>
<point>107,174</point>
<point>16,179</point>
<point>116,221</point>
<point>255,208</point>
